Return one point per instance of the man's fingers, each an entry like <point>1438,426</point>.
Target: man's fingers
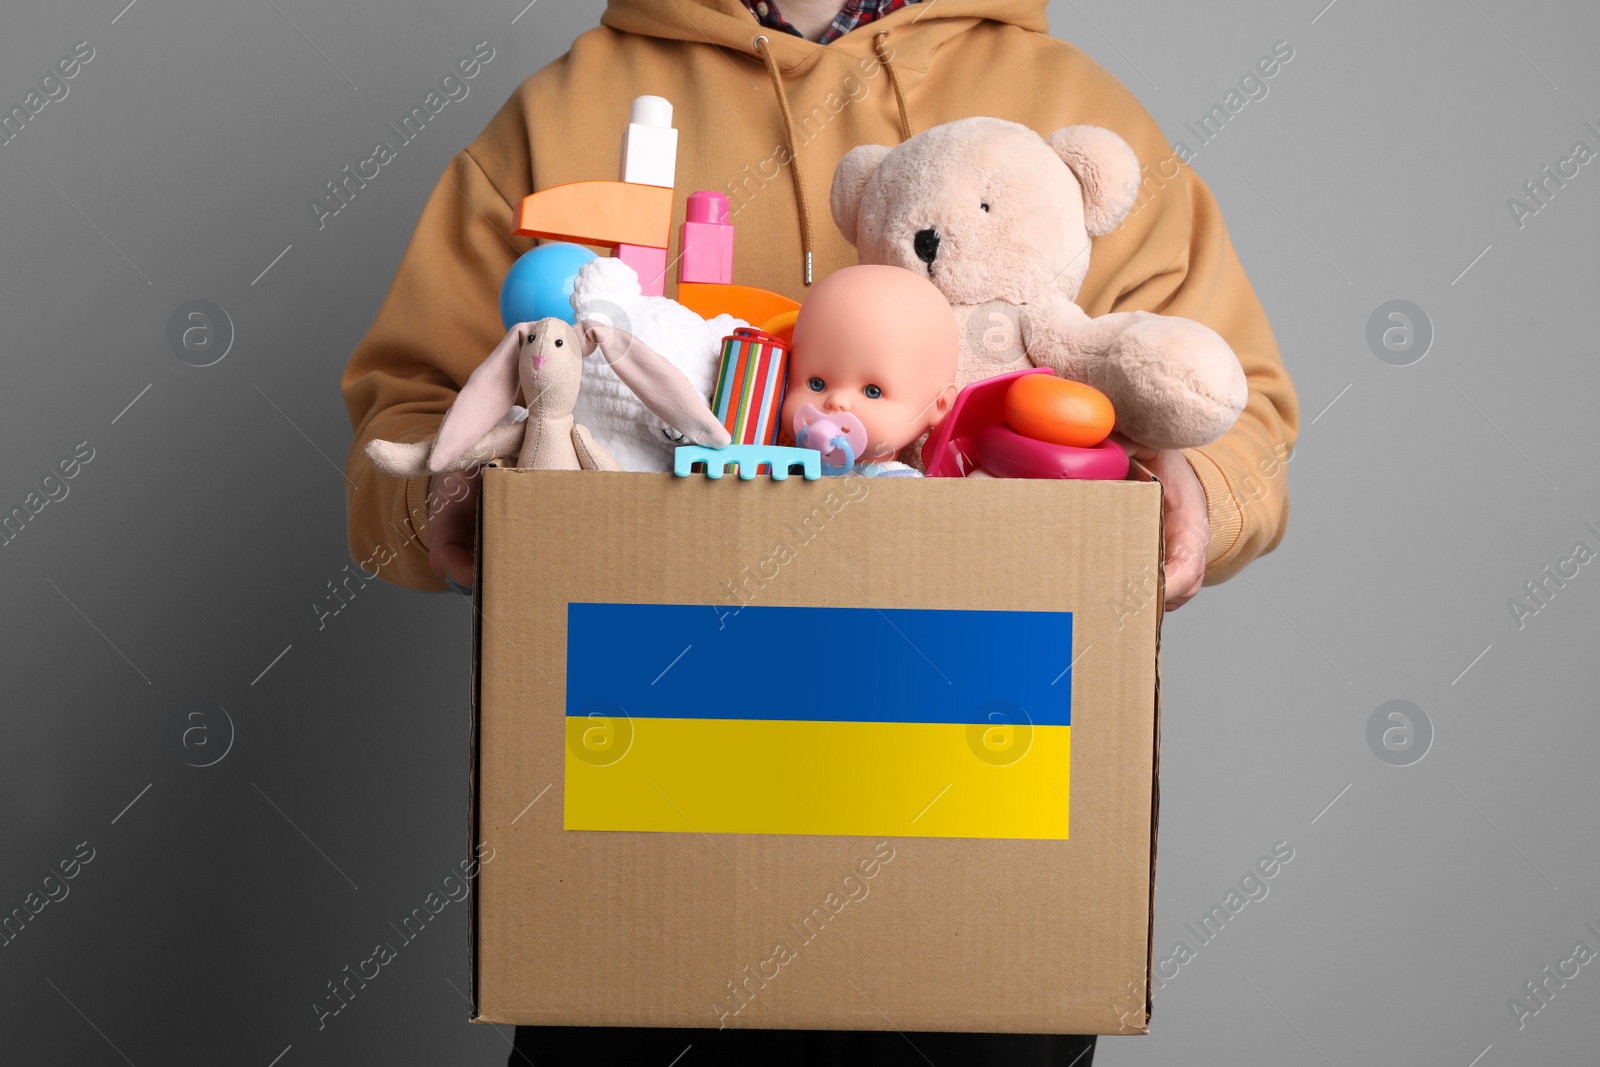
<point>452,561</point>
<point>1185,570</point>
<point>1178,596</point>
<point>1182,587</point>
<point>452,531</point>
<point>451,552</point>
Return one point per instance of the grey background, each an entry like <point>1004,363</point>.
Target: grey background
<point>190,550</point>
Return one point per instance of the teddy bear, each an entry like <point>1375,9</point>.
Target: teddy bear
<point>1000,219</point>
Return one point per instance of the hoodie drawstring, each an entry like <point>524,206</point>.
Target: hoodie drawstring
<point>802,202</point>
<point>880,45</point>
<point>794,156</point>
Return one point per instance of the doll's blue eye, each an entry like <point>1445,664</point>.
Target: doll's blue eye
<point>873,391</point>
<point>817,385</point>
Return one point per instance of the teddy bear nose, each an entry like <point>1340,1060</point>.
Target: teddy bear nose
<point>926,244</point>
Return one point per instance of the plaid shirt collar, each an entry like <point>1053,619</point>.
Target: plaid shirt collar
<point>855,13</point>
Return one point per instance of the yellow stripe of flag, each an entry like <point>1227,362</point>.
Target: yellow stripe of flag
<point>781,776</point>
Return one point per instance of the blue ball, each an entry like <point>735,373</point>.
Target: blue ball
<point>539,284</point>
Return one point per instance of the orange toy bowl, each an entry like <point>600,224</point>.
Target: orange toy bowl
<point>1047,408</point>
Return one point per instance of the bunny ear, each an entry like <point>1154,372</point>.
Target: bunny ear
<point>588,331</point>
<point>659,385</point>
<point>487,396</point>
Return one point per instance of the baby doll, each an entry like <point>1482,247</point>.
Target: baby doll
<point>872,367</point>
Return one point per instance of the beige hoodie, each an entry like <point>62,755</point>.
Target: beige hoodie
<point>923,65</point>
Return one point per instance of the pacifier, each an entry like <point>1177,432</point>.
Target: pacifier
<point>840,437</point>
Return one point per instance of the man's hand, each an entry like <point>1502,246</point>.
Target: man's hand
<point>453,524</point>
<point>1183,507</point>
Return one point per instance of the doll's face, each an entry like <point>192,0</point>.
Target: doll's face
<point>878,342</point>
<point>895,395</point>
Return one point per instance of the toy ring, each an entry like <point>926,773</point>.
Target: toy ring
<point>1005,453</point>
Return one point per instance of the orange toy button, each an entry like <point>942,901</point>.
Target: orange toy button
<point>1062,412</point>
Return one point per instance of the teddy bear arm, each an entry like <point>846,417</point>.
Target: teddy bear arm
<point>1058,334</point>
<point>1174,382</point>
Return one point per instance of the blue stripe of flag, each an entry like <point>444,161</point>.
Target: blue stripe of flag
<point>911,665</point>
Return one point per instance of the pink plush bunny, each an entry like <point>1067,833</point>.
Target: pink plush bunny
<point>545,359</point>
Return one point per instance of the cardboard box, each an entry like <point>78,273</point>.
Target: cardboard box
<point>853,754</point>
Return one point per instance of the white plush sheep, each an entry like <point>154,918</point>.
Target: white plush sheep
<point>607,291</point>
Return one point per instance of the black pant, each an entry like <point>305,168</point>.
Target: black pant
<point>593,1046</point>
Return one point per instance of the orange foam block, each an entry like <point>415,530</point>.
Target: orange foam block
<point>599,213</point>
<point>709,299</point>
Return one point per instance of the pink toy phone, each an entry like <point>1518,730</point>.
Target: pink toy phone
<point>974,436</point>
<point>950,451</point>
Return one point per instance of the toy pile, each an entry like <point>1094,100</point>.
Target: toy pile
<point>892,368</point>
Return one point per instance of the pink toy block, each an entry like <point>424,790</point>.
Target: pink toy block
<point>707,241</point>
<point>650,263</point>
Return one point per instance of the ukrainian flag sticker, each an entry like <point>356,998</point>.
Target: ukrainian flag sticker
<point>798,720</point>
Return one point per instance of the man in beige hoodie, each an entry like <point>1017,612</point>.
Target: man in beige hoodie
<point>752,84</point>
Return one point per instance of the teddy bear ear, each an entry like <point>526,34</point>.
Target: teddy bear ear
<point>1106,168</point>
<point>850,180</point>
